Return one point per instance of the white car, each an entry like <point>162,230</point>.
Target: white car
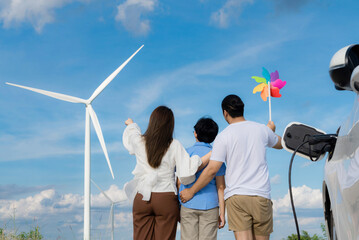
<point>341,175</point>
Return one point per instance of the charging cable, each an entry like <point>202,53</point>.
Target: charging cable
<point>330,140</point>
<point>290,187</point>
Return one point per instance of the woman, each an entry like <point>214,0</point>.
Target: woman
<point>158,155</point>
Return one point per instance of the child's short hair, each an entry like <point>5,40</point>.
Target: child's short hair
<point>206,130</point>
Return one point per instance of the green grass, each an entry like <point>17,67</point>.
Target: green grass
<point>10,231</point>
<point>32,234</point>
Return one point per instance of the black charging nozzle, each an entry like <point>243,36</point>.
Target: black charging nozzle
<point>320,144</point>
<point>323,138</point>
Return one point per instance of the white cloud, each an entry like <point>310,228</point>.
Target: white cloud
<point>304,197</point>
<point>275,179</point>
<point>230,11</point>
<point>44,203</point>
<point>37,12</point>
<point>308,204</point>
<point>64,212</point>
<point>130,14</point>
<point>49,202</point>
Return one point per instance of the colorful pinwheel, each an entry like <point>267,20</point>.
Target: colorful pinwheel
<point>275,84</point>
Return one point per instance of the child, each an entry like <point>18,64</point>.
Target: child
<point>200,216</point>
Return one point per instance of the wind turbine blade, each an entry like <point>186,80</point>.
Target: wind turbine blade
<point>111,77</point>
<point>98,130</point>
<point>60,96</point>
<point>102,191</point>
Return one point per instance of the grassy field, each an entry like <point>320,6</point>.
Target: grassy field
<point>10,230</point>
<point>32,234</point>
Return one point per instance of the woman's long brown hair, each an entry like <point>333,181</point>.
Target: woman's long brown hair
<point>159,135</point>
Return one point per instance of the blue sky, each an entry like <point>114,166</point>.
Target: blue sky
<point>196,52</point>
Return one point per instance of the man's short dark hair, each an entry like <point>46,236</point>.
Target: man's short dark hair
<point>206,130</point>
<point>233,105</point>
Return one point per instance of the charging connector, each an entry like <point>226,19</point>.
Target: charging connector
<point>322,143</point>
<point>323,138</point>
<point>317,144</point>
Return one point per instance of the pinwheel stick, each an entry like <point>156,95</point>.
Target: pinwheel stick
<point>270,103</point>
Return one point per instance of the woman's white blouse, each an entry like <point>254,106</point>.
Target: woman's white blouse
<point>162,179</point>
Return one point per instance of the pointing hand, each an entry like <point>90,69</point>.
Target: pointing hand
<point>128,121</point>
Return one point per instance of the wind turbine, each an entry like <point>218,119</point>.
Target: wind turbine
<point>90,113</point>
<point>113,203</point>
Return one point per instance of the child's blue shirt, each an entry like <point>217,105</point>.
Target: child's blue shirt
<point>207,197</point>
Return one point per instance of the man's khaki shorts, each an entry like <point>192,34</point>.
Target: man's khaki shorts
<point>250,212</point>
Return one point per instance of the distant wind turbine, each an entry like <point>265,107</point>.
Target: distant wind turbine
<point>90,113</point>
<point>113,203</point>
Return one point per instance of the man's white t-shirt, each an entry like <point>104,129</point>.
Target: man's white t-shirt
<point>242,146</point>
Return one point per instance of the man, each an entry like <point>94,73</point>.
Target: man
<point>242,145</point>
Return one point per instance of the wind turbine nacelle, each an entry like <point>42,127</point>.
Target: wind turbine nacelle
<point>342,66</point>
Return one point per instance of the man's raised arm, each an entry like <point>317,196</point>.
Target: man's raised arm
<point>272,126</point>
